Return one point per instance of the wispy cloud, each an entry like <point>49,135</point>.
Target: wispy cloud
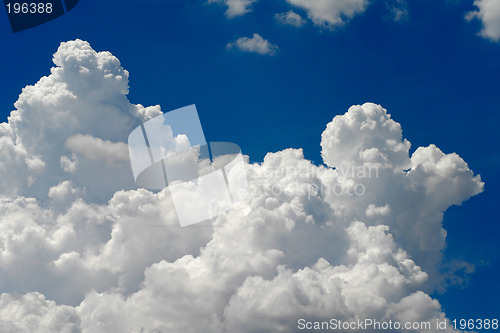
<point>290,18</point>
<point>398,10</point>
<point>235,7</point>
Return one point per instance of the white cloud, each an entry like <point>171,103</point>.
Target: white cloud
<point>34,163</point>
<point>256,44</point>
<point>83,102</point>
<point>235,7</point>
<point>33,313</point>
<point>488,13</point>
<point>362,288</point>
<point>373,210</point>
<point>85,255</point>
<point>68,164</point>
<point>323,13</point>
<point>98,149</point>
<point>330,13</point>
<point>290,18</point>
<point>398,9</point>
<point>63,190</point>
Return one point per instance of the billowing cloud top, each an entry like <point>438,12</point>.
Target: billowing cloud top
<point>82,250</point>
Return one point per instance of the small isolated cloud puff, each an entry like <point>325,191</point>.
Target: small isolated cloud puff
<point>373,210</point>
<point>489,14</point>
<point>330,13</point>
<point>256,44</point>
<point>62,191</point>
<point>358,237</point>
<point>290,18</point>
<point>235,7</point>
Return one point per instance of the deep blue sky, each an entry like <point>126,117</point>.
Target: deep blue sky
<point>433,73</point>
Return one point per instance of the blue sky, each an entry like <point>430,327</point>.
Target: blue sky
<point>432,71</point>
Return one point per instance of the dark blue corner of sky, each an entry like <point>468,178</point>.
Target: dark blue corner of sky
<point>432,72</point>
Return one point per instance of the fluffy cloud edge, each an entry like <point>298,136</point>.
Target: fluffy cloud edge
<point>488,12</point>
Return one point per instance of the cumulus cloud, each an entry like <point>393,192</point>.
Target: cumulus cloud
<point>256,44</point>
<point>290,18</point>
<point>83,250</point>
<point>98,149</point>
<point>235,7</point>
<point>72,120</point>
<point>33,313</point>
<point>328,13</point>
<point>488,12</point>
